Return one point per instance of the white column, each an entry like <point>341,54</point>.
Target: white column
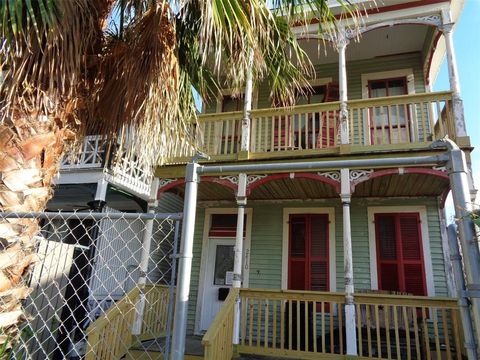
<point>238,250</point>
<point>351,330</point>
<point>342,42</point>
<point>447,29</point>
<point>247,108</point>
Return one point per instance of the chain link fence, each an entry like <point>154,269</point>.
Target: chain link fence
<point>102,285</point>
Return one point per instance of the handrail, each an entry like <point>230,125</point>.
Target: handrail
<point>110,336</point>
<point>401,99</point>
<point>104,343</point>
<point>217,341</point>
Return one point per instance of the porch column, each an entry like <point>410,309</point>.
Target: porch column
<point>144,258</point>
<point>351,332</point>
<point>247,108</point>
<point>446,28</point>
<point>238,250</point>
<point>342,42</point>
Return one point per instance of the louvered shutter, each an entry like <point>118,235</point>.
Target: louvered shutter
<point>399,253</point>
<point>297,253</point>
<point>319,253</point>
<point>308,253</point>
<point>412,254</point>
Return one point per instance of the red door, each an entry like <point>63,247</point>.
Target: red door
<point>308,265</point>
<point>400,261</point>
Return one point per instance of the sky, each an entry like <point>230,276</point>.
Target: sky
<point>467,50</point>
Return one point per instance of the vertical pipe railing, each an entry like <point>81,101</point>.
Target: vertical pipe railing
<point>185,262</point>
<point>456,260</point>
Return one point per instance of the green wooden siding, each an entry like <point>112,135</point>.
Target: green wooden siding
<point>267,237</point>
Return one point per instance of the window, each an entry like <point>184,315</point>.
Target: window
<point>400,261</point>
<point>230,103</point>
<point>388,124</point>
<point>308,252</point>
<point>225,225</point>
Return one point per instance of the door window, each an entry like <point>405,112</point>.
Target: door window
<point>388,124</point>
<point>308,252</point>
<point>400,260</point>
<point>223,264</point>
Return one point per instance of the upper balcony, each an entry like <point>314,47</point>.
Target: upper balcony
<point>124,172</point>
<point>372,94</point>
<point>376,124</point>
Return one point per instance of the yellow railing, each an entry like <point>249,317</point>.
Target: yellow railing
<point>110,336</point>
<point>400,119</point>
<point>220,133</point>
<point>306,325</point>
<point>217,341</point>
<point>389,121</point>
<point>416,327</point>
<point>303,127</point>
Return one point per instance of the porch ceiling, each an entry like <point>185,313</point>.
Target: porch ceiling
<point>297,188</point>
<point>385,41</point>
<point>402,185</point>
<point>208,191</point>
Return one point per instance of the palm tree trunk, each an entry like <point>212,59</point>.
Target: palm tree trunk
<point>30,152</point>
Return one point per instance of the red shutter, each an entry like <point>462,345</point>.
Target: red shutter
<point>400,262</point>
<point>308,253</point>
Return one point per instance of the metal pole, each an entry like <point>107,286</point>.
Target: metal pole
<point>185,262</point>
<point>318,165</point>
<point>457,172</point>
<point>171,290</point>
<point>456,261</point>
<point>350,327</point>
<point>145,256</point>
<point>237,263</point>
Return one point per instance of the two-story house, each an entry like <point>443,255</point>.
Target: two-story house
<point>371,238</point>
<point>312,231</point>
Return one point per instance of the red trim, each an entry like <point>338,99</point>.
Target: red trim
<point>386,172</point>
<point>379,10</point>
<point>400,261</point>
<point>324,179</point>
<point>212,179</point>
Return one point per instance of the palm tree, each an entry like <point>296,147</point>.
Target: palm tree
<point>77,67</point>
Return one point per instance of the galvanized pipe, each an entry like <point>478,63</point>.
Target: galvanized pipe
<point>456,261</point>
<point>185,262</point>
<point>458,174</point>
<point>319,165</point>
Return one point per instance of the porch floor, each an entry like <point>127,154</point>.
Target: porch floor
<point>193,350</point>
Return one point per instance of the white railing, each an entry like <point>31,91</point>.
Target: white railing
<point>130,173</point>
<point>124,171</point>
<point>91,155</point>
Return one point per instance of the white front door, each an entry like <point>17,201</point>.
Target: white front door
<point>218,276</point>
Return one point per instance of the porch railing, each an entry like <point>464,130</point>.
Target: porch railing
<point>218,340</point>
<point>110,336</point>
<point>124,171</point>
<point>304,325</point>
<point>389,121</point>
